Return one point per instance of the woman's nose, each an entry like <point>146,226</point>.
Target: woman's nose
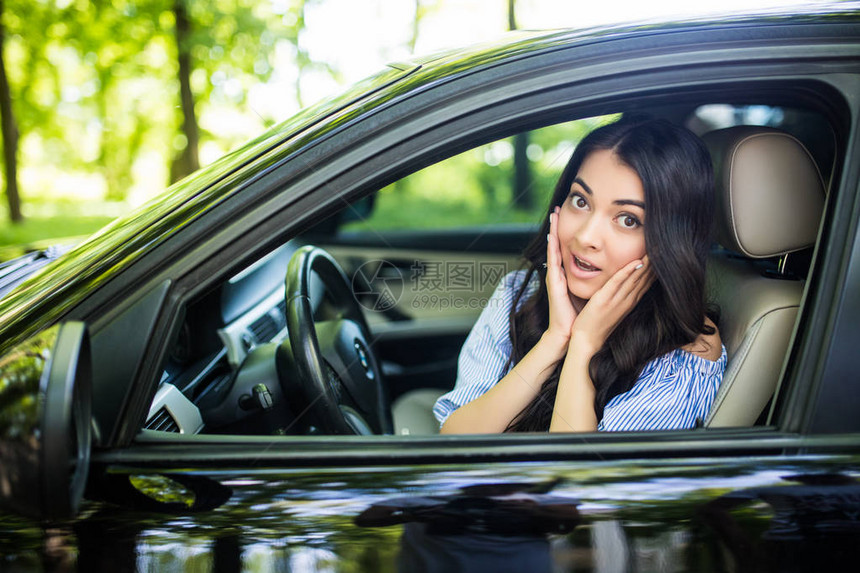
<point>590,234</point>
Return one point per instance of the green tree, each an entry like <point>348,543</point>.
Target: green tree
<point>28,85</point>
<point>111,40</point>
<point>222,49</point>
<point>88,86</point>
<point>10,132</point>
<point>69,73</point>
<point>187,160</point>
<point>523,196</point>
<point>420,10</point>
<point>303,61</point>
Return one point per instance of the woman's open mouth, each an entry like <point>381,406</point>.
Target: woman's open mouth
<point>584,265</point>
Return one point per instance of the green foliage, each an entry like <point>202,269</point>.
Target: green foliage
<point>36,231</point>
<point>163,489</point>
<point>476,187</point>
<point>95,90</point>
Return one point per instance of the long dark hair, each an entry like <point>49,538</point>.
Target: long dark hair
<point>675,169</point>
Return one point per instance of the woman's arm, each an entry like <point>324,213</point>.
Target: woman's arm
<point>494,410</point>
<point>574,402</point>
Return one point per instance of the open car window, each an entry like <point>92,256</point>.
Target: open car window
<point>422,256</point>
<point>505,182</point>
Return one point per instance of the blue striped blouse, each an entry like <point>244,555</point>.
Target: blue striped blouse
<point>673,391</point>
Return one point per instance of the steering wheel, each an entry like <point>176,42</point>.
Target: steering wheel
<point>340,383</point>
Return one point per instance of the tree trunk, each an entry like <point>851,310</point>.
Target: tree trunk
<point>187,161</point>
<point>416,24</point>
<point>10,134</point>
<point>522,183</point>
<point>302,61</point>
<point>522,173</point>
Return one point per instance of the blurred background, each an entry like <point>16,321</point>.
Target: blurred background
<point>106,103</point>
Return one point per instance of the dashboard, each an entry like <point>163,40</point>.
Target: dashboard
<point>222,374</point>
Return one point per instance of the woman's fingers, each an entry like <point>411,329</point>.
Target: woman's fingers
<point>561,312</point>
<point>555,270</point>
<point>553,255</point>
<point>625,288</point>
<point>623,282</point>
<point>642,280</point>
<point>638,281</point>
<point>614,301</point>
<point>550,245</point>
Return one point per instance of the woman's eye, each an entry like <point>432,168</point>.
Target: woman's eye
<point>578,201</point>
<point>629,221</point>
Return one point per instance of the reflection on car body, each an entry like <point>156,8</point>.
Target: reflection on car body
<point>486,527</point>
<point>814,525</point>
<point>207,445</point>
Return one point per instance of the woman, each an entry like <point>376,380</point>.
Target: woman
<point>607,328</point>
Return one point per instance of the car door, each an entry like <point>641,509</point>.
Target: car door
<point>718,497</point>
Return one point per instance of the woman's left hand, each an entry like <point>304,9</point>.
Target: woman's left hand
<point>609,305</point>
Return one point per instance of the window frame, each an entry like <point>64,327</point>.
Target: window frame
<point>406,137</point>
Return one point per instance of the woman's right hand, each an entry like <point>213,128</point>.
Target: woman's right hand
<point>562,314</point>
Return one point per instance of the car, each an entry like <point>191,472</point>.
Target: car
<point>239,374</point>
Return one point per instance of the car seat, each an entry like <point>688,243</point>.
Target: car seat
<point>769,202</point>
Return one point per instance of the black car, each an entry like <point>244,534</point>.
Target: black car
<point>239,375</point>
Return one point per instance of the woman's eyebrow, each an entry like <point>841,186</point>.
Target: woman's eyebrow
<point>584,185</point>
<point>588,190</point>
<point>639,204</point>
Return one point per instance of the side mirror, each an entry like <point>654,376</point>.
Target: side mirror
<point>45,423</point>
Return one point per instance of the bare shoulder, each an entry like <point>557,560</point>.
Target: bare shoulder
<point>707,345</point>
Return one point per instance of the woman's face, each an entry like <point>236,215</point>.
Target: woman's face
<point>600,226</point>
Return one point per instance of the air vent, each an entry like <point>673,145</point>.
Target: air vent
<point>162,422</point>
<point>270,324</point>
<point>264,328</point>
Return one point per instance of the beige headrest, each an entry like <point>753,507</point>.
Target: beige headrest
<point>770,196</point>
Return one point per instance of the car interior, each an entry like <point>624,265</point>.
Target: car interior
<point>364,333</point>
